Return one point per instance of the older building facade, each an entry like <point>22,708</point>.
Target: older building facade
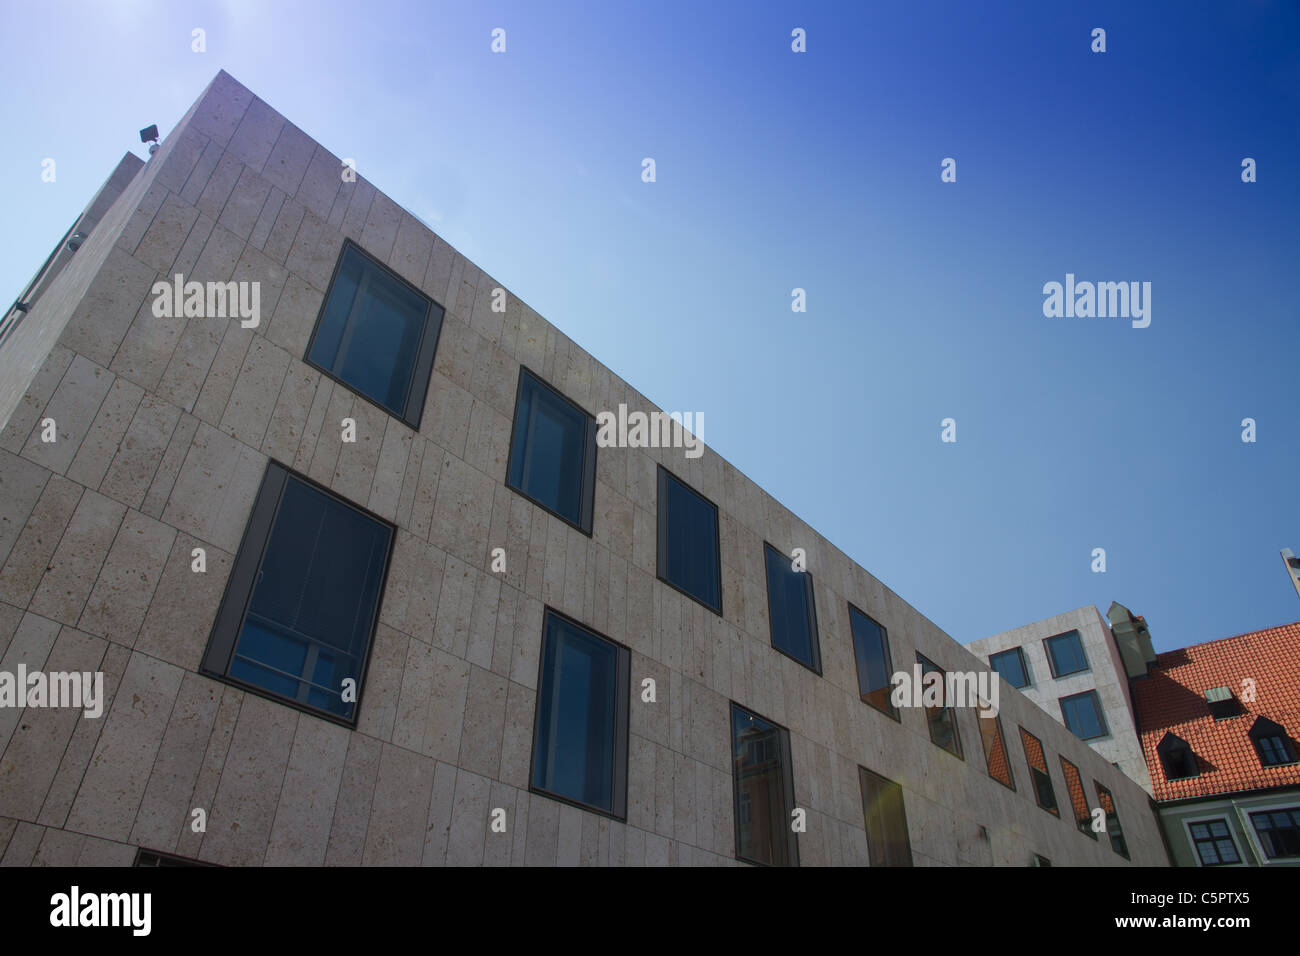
<point>342,530</point>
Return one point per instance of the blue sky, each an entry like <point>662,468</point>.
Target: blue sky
<point>821,170</point>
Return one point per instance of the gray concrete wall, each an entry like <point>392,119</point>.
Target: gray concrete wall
<point>165,428</point>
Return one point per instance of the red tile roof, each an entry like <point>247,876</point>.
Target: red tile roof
<point>1172,699</point>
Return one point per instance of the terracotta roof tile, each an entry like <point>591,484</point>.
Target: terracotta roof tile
<point>1172,699</point>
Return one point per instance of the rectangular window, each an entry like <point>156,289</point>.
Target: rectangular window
<point>886,820</point>
<point>376,334</point>
<point>1078,799</point>
<point>553,452</point>
<point>1278,832</point>
<point>303,597</point>
<point>1065,654</point>
<point>1117,841</point>
<point>792,614</point>
<point>1213,842</point>
<point>942,719</point>
<point>995,750</point>
<point>1011,665</point>
<point>688,542</point>
<point>1043,792</point>
<point>875,666</point>
<point>580,730</point>
<point>764,787</point>
<point>1082,714</point>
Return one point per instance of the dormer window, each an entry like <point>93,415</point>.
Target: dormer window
<point>1223,703</point>
<point>1272,743</point>
<point>1176,757</point>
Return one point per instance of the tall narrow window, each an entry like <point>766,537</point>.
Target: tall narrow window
<point>1078,799</point>
<point>875,666</point>
<point>303,595</point>
<point>995,749</point>
<point>376,333</point>
<point>688,542</point>
<point>553,452</point>
<point>764,789</point>
<point>791,611</point>
<point>1011,665</point>
<point>1117,841</point>
<point>1214,843</point>
<point>1082,714</point>
<point>1065,654</point>
<point>580,731</point>
<point>1043,791</point>
<point>886,820</point>
<point>942,719</point>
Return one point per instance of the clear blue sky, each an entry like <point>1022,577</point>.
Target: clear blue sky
<point>821,170</point>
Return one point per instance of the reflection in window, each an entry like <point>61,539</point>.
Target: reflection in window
<point>871,651</point>
<point>580,737</point>
<point>1278,832</point>
<point>1272,743</point>
<point>688,541</point>
<point>1078,799</point>
<point>1043,791</point>
<point>942,719</point>
<point>764,790</point>
<point>1011,665</point>
<point>301,601</point>
<point>886,820</point>
<point>377,334</point>
<point>1117,841</point>
<point>791,612</point>
<point>1082,714</point>
<point>995,750</point>
<point>1065,654</point>
<point>553,452</point>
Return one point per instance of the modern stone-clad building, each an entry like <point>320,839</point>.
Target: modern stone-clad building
<point>341,531</point>
<point>1074,666</point>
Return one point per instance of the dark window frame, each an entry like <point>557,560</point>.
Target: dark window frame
<point>951,711</point>
<point>157,858</point>
<point>661,559</point>
<point>889,710</point>
<point>1024,666</point>
<point>412,413</point>
<point>228,624</point>
<point>622,721</point>
<point>892,787</point>
<point>1265,729</point>
<point>787,786</point>
<point>1082,812</point>
<point>1292,827</point>
<point>1010,782</point>
<point>1215,840</point>
<point>811,602</point>
<point>1034,772</point>
<point>1113,827</point>
<point>1051,660</point>
<point>1101,714</point>
<point>587,504</point>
